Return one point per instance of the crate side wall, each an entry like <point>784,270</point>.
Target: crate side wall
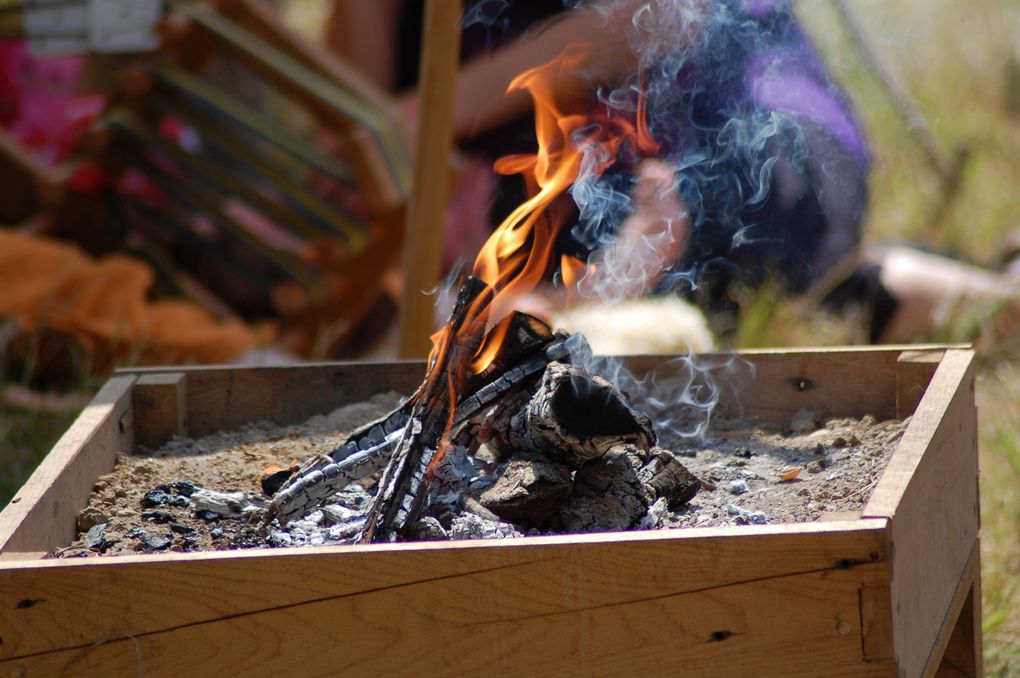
<point>42,515</point>
<point>770,385</point>
<point>702,601</point>
<point>222,399</point>
<point>929,492</point>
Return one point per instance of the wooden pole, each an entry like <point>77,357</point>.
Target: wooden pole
<point>423,231</point>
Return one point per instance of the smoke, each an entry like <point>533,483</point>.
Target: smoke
<point>695,202</point>
<point>693,61</point>
<point>487,13</point>
<point>701,206</point>
<point>679,394</point>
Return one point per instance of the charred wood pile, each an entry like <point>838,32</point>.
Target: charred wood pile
<point>536,442</point>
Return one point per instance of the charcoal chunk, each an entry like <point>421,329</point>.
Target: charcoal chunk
<point>157,542</point>
<point>95,538</point>
<point>272,483</point>
<point>668,478</point>
<point>159,496</point>
<point>183,488</point>
<point>529,490</point>
<point>608,494</point>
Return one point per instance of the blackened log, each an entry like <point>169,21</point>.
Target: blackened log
<point>493,428</point>
<point>608,494</point>
<point>524,337</point>
<point>575,417</point>
<point>529,490</point>
<point>668,478</point>
<point>400,499</point>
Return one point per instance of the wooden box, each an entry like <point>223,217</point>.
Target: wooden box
<point>894,591</point>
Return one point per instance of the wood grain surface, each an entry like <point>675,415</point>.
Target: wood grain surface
<point>761,600</point>
<point>929,493</point>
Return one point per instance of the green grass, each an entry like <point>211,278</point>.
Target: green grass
<point>25,436</point>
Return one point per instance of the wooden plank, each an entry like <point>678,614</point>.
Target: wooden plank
<point>42,515</point>
<point>766,384</point>
<point>698,601</point>
<point>161,408</point>
<point>963,657</point>
<point>221,398</point>
<point>426,212</point>
<point>773,385</point>
<point>914,370</point>
<point>929,492</point>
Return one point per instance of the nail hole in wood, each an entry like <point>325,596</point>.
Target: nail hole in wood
<point>802,384</point>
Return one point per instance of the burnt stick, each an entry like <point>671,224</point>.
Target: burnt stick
<point>369,447</point>
<point>401,488</point>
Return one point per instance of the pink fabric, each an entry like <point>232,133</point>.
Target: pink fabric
<point>41,101</point>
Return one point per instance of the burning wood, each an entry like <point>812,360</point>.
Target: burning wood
<point>576,452</point>
<point>370,447</point>
<point>488,353</point>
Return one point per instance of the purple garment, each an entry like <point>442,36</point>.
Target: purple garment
<point>789,78</point>
<point>759,8</point>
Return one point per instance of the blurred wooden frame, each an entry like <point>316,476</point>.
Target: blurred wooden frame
<point>335,95</point>
<point>341,98</point>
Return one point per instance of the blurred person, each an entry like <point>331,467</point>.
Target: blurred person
<point>762,170</point>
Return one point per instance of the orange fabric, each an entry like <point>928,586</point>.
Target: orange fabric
<point>48,284</point>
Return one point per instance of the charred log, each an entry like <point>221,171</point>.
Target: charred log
<point>608,493</point>
<point>529,490</point>
<point>400,499</point>
<point>667,478</point>
<point>575,417</point>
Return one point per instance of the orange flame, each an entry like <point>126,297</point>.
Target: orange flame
<point>517,256</point>
<point>572,269</point>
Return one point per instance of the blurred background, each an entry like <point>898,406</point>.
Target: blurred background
<point>946,180</point>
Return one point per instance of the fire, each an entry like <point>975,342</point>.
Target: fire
<point>517,256</point>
